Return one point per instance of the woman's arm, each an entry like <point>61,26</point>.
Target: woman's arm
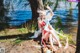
<point>50,10</point>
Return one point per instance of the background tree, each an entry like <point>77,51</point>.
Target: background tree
<point>56,5</point>
<point>2,16</point>
<point>78,32</point>
<point>4,20</point>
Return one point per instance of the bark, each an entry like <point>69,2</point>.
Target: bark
<point>78,32</point>
<point>36,5</point>
<point>3,18</point>
<point>2,14</point>
<point>1,8</point>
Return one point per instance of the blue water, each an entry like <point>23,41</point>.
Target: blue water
<point>20,12</point>
<point>64,14</point>
<point>20,17</point>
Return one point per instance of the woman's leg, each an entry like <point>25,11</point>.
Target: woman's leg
<point>51,42</point>
<point>54,35</point>
<point>45,36</point>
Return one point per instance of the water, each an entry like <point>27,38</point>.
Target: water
<point>20,17</point>
<point>66,17</point>
<point>20,12</point>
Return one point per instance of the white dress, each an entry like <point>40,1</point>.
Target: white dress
<point>48,18</point>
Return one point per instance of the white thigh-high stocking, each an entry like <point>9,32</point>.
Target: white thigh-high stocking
<point>51,42</point>
<point>55,36</point>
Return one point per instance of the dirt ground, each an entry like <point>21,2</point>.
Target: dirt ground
<point>29,45</point>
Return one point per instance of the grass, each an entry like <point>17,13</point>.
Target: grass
<point>64,36</point>
<point>17,41</point>
<point>23,30</point>
<point>10,32</point>
<point>31,28</point>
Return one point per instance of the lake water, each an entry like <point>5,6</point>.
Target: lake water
<point>20,17</point>
<point>65,16</point>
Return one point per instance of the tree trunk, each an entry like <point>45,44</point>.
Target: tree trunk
<point>36,5</point>
<point>78,32</point>
<point>2,14</point>
<point>1,9</point>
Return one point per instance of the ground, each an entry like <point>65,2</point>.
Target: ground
<point>26,45</point>
<point>30,46</point>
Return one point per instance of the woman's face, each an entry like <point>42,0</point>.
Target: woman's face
<point>42,17</point>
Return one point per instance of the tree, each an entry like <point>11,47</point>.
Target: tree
<point>36,5</point>
<point>78,32</point>
<point>2,14</point>
<point>1,10</point>
<point>3,18</point>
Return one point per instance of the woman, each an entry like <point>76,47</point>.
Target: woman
<point>47,30</point>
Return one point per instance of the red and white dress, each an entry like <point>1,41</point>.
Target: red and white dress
<point>45,32</point>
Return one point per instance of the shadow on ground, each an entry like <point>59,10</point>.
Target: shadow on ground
<point>21,37</point>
